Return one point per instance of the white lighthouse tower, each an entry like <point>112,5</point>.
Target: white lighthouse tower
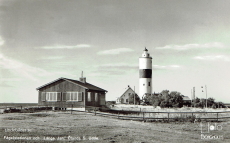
<point>145,74</point>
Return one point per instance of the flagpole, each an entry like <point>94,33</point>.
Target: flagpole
<point>134,95</point>
<point>192,99</point>
<point>206,96</point>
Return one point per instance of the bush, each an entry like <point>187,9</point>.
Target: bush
<point>213,106</point>
<point>165,99</point>
<point>191,118</point>
<point>12,110</point>
<point>179,119</point>
<point>163,104</point>
<point>26,110</point>
<point>198,119</point>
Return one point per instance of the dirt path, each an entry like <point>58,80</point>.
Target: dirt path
<point>82,127</point>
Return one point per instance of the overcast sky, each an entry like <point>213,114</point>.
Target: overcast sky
<point>41,41</point>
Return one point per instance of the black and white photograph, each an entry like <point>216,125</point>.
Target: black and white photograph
<point>116,71</point>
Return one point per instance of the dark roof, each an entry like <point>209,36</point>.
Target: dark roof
<point>85,85</point>
<point>186,98</point>
<point>156,93</point>
<point>127,90</point>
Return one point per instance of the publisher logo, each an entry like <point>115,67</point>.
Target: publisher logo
<point>211,131</point>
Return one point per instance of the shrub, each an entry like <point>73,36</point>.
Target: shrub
<point>12,110</point>
<point>198,119</point>
<point>191,118</point>
<point>179,119</point>
<point>213,106</point>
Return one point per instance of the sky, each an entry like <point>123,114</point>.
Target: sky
<point>41,41</point>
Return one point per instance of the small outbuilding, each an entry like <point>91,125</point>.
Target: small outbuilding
<point>65,93</point>
<point>186,100</point>
<point>128,97</point>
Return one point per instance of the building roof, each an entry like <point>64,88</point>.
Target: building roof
<point>156,94</point>
<point>129,88</point>
<point>186,98</point>
<point>84,85</point>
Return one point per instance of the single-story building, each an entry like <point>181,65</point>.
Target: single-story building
<point>65,93</point>
<point>128,97</point>
<point>186,100</point>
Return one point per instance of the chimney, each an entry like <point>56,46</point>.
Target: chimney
<point>82,79</point>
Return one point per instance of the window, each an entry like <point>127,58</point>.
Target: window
<point>72,96</point>
<point>58,96</point>
<point>53,96</point>
<point>64,95</point>
<point>43,98</point>
<point>143,84</point>
<point>68,96</point>
<point>149,83</point>
<point>127,100</point>
<point>79,98</point>
<point>89,96</point>
<point>96,97</point>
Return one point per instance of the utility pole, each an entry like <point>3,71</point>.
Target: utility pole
<point>206,95</point>
<point>134,95</point>
<point>191,97</point>
<point>193,92</point>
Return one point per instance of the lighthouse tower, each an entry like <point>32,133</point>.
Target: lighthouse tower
<point>145,74</point>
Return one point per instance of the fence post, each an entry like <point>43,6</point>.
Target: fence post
<point>118,115</point>
<point>95,112</point>
<point>217,116</point>
<point>168,116</point>
<point>72,109</point>
<point>143,116</point>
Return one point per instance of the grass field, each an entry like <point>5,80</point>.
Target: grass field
<point>83,127</point>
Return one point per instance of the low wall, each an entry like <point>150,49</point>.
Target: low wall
<point>78,109</point>
<point>159,109</point>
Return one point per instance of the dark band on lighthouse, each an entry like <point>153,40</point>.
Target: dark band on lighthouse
<point>145,73</point>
